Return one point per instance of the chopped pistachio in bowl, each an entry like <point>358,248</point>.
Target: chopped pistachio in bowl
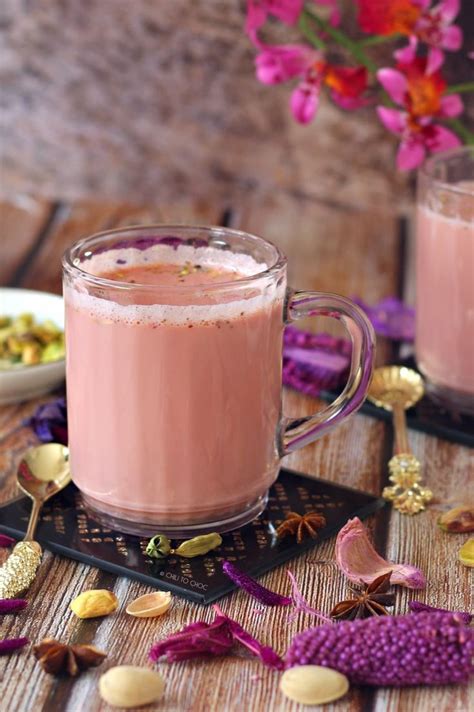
<point>32,359</point>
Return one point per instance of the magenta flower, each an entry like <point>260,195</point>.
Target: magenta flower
<point>278,63</point>
<point>287,11</point>
<point>433,27</point>
<point>422,97</point>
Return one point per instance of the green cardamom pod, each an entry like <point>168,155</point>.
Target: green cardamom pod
<point>158,547</point>
<point>199,545</point>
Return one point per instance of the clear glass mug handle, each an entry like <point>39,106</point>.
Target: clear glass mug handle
<point>297,432</point>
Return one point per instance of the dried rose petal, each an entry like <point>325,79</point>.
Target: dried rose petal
<point>266,654</point>
<point>11,605</point>
<point>301,604</point>
<point>195,640</point>
<point>49,421</point>
<point>11,644</point>
<point>418,607</point>
<point>262,594</point>
<point>358,560</point>
<point>391,318</point>
<point>6,541</point>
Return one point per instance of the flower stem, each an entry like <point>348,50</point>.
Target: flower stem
<point>463,132</point>
<point>460,88</point>
<point>306,30</point>
<point>341,38</point>
<point>376,40</point>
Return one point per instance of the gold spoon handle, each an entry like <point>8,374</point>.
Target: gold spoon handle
<point>35,510</point>
<point>400,427</point>
<point>19,570</point>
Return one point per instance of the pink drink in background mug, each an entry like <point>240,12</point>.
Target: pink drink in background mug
<point>445,278</point>
<point>174,351</point>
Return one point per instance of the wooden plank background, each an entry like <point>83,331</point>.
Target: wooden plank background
<point>329,248</point>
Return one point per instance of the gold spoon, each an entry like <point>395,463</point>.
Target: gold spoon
<point>43,472</point>
<point>397,388</point>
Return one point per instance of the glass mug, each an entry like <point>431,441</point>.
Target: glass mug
<point>444,341</point>
<point>174,357</point>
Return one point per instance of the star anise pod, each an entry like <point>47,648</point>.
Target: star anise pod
<point>302,525</point>
<point>369,601</point>
<point>59,659</point>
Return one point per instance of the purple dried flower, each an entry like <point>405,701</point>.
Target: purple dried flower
<point>391,318</point>
<point>312,362</point>
<point>423,649</point>
<point>418,607</point>
<point>211,639</point>
<point>266,654</point>
<point>301,604</point>
<point>194,641</point>
<point>10,644</point>
<point>10,605</point>
<point>262,594</point>
<point>49,422</point>
<point>6,541</point>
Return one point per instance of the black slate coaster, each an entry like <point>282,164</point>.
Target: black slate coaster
<point>67,529</point>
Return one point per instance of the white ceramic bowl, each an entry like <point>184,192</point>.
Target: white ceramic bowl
<point>22,383</point>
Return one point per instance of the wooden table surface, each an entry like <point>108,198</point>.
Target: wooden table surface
<point>329,248</point>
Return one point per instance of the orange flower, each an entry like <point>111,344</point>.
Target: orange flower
<point>388,17</point>
<point>423,91</point>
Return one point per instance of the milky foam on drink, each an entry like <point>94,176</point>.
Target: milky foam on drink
<point>105,309</point>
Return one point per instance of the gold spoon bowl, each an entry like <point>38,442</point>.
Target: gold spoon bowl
<point>397,388</point>
<point>43,472</point>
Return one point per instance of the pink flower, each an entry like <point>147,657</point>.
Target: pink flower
<point>278,63</point>
<point>287,11</point>
<point>433,27</point>
<point>422,97</point>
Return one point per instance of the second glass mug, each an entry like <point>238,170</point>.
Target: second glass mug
<point>174,388</point>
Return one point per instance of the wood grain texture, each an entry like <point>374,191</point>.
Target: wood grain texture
<point>163,101</point>
<point>355,454</point>
<point>21,225</point>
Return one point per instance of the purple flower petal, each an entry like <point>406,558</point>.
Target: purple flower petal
<point>418,607</point>
<point>266,654</point>
<point>411,153</point>
<point>49,422</point>
<point>435,60</point>
<point>195,640</point>
<point>391,318</point>
<point>11,605</point>
<point>301,604</point>
<point>6,541</point>
<point>11,644</point>
<point>262,594</point>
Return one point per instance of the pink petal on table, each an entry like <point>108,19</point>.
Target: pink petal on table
<point>451,105</point>
<point>395,84</point>
<point>358,560</point>
<point>410,154</point>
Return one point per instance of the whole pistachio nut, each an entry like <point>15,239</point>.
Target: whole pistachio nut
<point>466,553</point>
<point>459,520</point>
<point>158,547</point>
<point>94,603</point>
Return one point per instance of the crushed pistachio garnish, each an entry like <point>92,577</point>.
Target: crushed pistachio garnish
<point>26,342</point>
